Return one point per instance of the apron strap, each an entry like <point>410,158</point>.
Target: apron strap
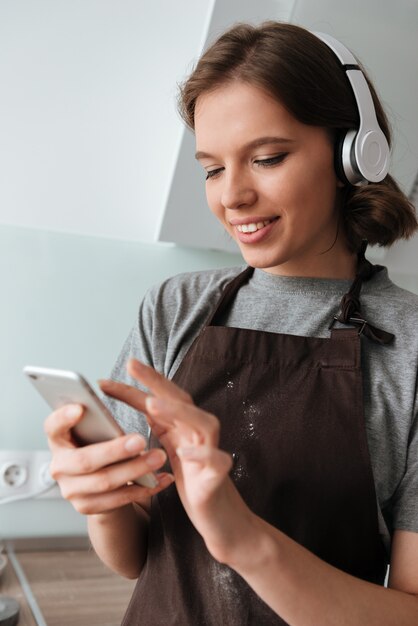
<point>228,295</point>
<point>350,308</point>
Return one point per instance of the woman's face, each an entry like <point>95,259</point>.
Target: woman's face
<point>271,182</point>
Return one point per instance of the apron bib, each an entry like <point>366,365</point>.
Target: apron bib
<point>291,413</point>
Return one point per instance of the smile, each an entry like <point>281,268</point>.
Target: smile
<point>253,226</point>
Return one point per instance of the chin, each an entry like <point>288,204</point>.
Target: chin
<point>263,261</point>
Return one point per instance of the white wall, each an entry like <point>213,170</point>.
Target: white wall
<point>88,124</point>
<point>88,121</point>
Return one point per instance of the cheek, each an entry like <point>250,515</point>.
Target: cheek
<point>311,187</point>
<point>213,199</point>
<point>308,206</point>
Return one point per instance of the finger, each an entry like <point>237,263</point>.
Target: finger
<point>150,378</point>
<point>58,424</point>
<point>112,477</point>
<point>203,427</point>
<point>156,382</point>
<point>126,393</point>
<point>128,494</point>
<point>170,447</point>
<point>212,464</point>
<point>88,459</point>
<point>206,455</point>
<point>164,430</point>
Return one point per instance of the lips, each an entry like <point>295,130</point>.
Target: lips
<point>253,230</point>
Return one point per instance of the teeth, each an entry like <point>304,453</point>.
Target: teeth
<point>251,228</point>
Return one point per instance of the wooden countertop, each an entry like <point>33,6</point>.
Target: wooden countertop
<point>71,588</point>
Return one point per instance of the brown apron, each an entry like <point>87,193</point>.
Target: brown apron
<point>291,413</point>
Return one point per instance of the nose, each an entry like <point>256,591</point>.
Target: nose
<point>238,191</point>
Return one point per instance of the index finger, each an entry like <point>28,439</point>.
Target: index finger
<point>156,382</point>
<point>150,378</point>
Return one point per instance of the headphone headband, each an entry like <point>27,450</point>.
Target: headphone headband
<point>364,153</point>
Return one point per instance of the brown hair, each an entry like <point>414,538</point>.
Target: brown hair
<point>302,73</point>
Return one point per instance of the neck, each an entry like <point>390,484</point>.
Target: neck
<point>338,264</point>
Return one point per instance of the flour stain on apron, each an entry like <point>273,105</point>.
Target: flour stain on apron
<point>226,597</point>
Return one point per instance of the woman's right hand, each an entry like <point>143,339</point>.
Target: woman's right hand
<point>97,478</point>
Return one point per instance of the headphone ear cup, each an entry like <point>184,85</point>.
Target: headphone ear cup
<point>345,160</point>
<point>338,156</point>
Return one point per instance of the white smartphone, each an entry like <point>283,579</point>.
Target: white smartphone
<point>60,387</point>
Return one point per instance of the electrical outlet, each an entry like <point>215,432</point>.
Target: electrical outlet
<point>13,474</point>
<point>24,473</point>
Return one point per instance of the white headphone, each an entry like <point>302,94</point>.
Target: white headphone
<point>361,155</point>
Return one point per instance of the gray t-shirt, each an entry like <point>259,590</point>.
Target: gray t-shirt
<point>172,314</point>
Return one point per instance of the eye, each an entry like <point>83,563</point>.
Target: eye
<point>275,160</point>
<point>269,162</point>
<point>212,173</point>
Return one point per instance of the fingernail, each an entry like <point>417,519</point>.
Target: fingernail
<point>134,363</point>
<point>155,458</point>
<point>186,452</point>
<point>72,411</point>
<point>135,443</point>
<point>104,382</point>
<point>165,480</point>
<point>155,404</point>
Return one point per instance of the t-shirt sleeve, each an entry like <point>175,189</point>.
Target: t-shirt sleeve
<point>405,505</point>
<point>138,345</point>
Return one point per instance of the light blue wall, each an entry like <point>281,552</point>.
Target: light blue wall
<point>68,301</point>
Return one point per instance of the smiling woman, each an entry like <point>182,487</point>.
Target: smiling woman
<point>284,405</point>
<point>288,183</point>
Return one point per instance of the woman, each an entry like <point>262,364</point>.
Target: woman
<point>289,421</point>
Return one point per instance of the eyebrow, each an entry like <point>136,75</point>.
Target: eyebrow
<point>260,141</point>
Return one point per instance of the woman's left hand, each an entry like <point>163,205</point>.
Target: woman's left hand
<point>190,437</point>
